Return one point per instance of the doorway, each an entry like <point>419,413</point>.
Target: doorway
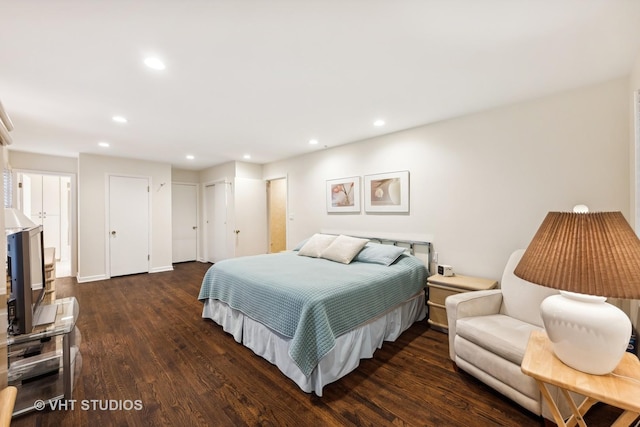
<point>47,199</point>
<point>277,214</point>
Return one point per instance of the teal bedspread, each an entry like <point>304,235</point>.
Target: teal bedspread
<point>311,300</point>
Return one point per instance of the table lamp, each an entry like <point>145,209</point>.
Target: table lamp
<point>588,257</point>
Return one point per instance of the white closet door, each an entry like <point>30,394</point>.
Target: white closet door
<point>50,194</point>
<point>217,232</point>
<point>128,225</point>
<point>41,202</point>
<point>184,218</point>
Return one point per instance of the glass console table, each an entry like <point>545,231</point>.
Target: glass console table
<point>40,366</point>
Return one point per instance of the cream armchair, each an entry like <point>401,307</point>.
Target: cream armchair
<point>488,335</point>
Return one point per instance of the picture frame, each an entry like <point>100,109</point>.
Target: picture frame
<point>387,192</point>
<point>343,195</point>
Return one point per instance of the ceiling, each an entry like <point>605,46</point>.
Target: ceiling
<point>264,77</point>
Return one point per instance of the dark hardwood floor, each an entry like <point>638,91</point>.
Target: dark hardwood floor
<point>143,339</point>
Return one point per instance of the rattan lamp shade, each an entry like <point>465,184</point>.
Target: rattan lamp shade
<point>589,253</point>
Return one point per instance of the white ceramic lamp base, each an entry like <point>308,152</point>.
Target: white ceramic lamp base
<point>587,333</point>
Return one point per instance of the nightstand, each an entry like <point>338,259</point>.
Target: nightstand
<point>440,287</point>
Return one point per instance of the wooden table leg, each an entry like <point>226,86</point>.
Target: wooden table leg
<point>625,419</point>
<point>552,405</point>
<point>578,411</point>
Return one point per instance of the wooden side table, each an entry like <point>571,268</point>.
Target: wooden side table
<point>621,388</point>
<point>440,287</point>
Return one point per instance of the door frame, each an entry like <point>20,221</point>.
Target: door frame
<point>73,209</point>
<point>107,210</point>
<point>198,218</point>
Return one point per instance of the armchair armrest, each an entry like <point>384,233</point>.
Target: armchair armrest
<point>470,304</point>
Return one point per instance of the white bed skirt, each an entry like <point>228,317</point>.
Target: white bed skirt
<point>358,344</point>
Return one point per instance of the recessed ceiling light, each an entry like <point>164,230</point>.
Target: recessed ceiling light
<point>378,122</point>
<point>103,144</point>
<point>119,119</point>
<point>190,157</point>
<point>313,141</point>
<point>154,63</point>
<point>246,156</point>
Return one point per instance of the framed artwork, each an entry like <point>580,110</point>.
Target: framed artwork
<point>343,195</point>
<point>387,192</point>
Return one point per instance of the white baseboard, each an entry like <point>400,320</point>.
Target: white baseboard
<point>97,277</point>
<point>161,269</point>
<point>85,279</point>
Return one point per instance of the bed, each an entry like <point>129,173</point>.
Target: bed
<point>314,312</point>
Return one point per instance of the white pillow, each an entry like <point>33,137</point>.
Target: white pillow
<point>316,244</point>
<point>343,249</point>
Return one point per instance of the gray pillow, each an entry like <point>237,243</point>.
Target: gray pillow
<point>301,244</point>
<point>377,253</point>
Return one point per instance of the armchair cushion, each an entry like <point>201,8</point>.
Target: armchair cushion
<point>501,335</point>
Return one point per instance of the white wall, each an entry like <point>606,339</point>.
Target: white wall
<point>480,184</point>
<point>248,170</point>
<point>93,171</point>
<point>634,166</point>
<point>184,176</point>
<point>634,145</point>
<point>43,162</point>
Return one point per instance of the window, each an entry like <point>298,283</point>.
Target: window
<point>7,179</point>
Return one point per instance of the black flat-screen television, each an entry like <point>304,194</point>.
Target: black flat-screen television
<point>25,267</point>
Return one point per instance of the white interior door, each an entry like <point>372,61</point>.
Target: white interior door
<point>41,199</point>
<point>184,218</point>
<point>128,225</point>
<point>250,213</point>
<point>217,232</point>
<point>51,212</point>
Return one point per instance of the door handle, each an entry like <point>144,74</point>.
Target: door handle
<point>113,233</point>
<point>194,227</point>
<point>236,231</point>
